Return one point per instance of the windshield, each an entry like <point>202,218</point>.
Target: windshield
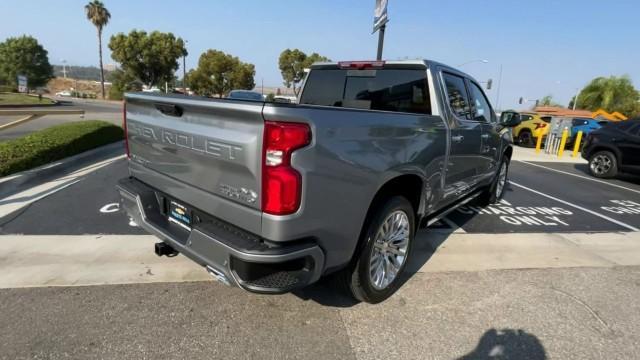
<point>400,90</point>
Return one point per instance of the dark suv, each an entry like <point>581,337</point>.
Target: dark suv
<point>614,148</point>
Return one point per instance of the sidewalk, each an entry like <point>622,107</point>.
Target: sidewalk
<point>65,260</point>
<point>529,154</point>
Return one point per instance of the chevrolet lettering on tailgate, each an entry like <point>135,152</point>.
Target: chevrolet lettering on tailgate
<point>196,143</point>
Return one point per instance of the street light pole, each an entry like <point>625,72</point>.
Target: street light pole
<point>498,90</point>
<point>575,99</point>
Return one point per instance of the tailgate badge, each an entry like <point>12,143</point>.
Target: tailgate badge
<point>247,195</point>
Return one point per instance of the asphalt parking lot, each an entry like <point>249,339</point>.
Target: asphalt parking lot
<point>549,272</point>
<point>542,197</point>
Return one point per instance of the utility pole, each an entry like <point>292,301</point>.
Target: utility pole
<point>184,71</point>
<point>184,74</point>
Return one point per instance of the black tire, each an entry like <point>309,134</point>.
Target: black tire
<point>603,164</point>
<point>525,138</point>
<point>494,193</point>
<point>356,278</point>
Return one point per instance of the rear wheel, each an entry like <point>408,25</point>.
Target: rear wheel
<point>375,273</point>
<point>525,138</point>
<point>603,164</point>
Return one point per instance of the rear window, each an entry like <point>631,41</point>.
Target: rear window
<point>400,90</point>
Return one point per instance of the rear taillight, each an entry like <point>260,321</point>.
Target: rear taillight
<point>540,125</point>
<point>281,183</point>
<point>124,126</point>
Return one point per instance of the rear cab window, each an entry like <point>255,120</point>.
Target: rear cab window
<point>386,89</point>
<point>457,96</point>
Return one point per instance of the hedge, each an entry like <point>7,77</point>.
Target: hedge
<point>55,143</point>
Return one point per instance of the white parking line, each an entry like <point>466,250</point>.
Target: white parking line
<point>632,228</point>
<point>580,176</point>
<point>24,198</point>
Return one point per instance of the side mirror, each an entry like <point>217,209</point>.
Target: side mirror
<point>510,119</point>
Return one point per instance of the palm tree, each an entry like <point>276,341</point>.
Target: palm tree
<point>99,16</point>
<point>611,94</point>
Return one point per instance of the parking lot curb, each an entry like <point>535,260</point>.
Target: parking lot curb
<point>15,183</point>
<point>23,106</point>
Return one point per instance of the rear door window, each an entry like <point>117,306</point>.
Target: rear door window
<point>482,110</point>
<point>399,90</point>
<point>457,96</point>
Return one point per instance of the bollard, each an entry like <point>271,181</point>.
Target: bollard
<point>563,142</point>
<point>576,146</point>
<point>539,144</point>
<point>547,144</point>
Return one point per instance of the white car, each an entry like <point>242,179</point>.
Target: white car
<point>64,93</point>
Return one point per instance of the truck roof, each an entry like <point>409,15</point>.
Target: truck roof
<point>415,62</point>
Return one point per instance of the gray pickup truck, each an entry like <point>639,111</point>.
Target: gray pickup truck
<point>272,196</point>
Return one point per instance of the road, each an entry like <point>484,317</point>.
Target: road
<point>580,313</point>
<point>549,272</point>
<point>110,111</point>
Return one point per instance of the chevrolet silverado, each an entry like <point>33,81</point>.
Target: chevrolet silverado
<point>271,197</point>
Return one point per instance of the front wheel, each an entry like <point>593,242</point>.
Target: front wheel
<point>495,192</point>
<point>387,241</point>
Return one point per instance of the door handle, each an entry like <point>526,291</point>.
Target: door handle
<point>484,136</point>
<point>458,138</point>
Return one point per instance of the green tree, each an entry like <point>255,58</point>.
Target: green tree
<point>292,64</point>
<point>24,56</point>
<point>99,17</point>
<point>218,73</point>
<point>122,82</point>
<point>611,94</point>
<point>151,58</point>
<point>548,101</point>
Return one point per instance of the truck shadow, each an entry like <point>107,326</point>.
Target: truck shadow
<point>507,344</point>
<point>427,241</point>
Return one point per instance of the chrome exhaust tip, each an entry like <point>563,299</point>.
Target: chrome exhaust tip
<point>218,275</point>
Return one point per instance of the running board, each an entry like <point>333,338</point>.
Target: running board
<point>447,211</point>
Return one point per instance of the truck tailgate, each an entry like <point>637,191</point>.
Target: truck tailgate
<point>180,144</point>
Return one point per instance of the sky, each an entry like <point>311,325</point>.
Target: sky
<point>544,47</point>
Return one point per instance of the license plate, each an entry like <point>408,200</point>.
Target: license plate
<point>180,215</point>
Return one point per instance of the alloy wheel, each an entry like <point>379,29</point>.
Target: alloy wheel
<point>502,180</point>
<point>389,252</point>
<point>601,164</point>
